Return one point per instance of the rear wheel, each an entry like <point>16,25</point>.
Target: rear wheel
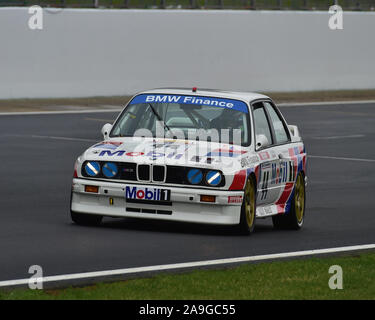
<point>86,219</point>
<point>295,218</point>
<point>248,208</point>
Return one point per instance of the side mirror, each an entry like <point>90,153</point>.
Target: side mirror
<point>261,141</point>
<point>106,130</point>
<point>294,132</point>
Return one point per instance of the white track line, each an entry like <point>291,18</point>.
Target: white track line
<point>339,137</point>
<point>50,137</point>
<point>341,158</point>
<point>176,266</point>
<point>64,138</point>
<point>58,112</point>
<point>324,103</point>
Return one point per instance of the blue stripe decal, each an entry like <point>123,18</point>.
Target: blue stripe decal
<point>288,204</point>
<point>213,178</point>
<point>110,170</point>
<point>195,176</point>
<point>194,100</point>
<point>92,168</point>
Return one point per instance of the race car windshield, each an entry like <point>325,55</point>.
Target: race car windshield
<point>185,117</point>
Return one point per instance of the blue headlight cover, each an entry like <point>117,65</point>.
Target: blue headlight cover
<point>109,170</point>
<point>195,176</point>
<point>92,168</point>
<point>213,178</point>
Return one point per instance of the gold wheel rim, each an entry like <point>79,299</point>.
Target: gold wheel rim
<point>250,203</point>
<point>299,198</point>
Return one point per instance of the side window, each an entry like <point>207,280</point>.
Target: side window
<point>281,134</point>
<point>260,122</point>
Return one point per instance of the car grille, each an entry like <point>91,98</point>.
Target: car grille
<point>143,172</point>
<point>158,173</point>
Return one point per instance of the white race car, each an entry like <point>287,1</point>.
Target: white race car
<point>202,156</point>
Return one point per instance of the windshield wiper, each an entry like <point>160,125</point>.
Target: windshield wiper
<point>160,118</point>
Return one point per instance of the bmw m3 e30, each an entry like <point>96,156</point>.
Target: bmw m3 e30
<point>203,156</point>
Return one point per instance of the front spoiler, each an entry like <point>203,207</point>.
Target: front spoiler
<point>185,203</point>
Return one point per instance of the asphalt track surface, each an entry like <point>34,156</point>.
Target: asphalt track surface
<point>37,156</point>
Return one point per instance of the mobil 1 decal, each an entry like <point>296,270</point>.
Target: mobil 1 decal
<point>282,172</point>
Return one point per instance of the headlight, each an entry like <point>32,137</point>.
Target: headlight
<point>109,170</point>
<point>213,178</point>
<point>92,168</point>
<point>195,176</point>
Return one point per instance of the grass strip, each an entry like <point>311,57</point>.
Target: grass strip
<point>293,279</point>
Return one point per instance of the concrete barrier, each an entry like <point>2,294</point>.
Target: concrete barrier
<point>90,52</point>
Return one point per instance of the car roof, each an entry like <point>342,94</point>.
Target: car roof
<point>246,96</point>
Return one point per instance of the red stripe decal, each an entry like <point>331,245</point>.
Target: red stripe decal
<point>286,193</point>
<point>304,163</point>
<point>238,180</point>
<point>291,152</point>
<point>257,173</point>
<point>264,155</point>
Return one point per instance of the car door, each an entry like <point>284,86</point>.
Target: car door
<point>268,186</point>
<point>282,145</point>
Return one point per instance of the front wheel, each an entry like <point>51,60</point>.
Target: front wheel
<point>295,218</point>
<point>86,219</point>
<point>248,208</point>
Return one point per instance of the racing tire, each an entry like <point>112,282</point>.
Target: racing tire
<point>248,208</point>
<point>293,220</point>
<point>86,219</point>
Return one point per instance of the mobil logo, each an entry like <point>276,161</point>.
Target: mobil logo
<point>154,194</point>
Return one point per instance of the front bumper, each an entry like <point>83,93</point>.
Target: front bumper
<point>185,204</point>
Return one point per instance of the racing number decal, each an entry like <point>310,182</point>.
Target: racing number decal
<point>265,185</point>
<point>291,171</point>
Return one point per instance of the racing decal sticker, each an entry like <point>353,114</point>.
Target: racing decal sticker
<point>112,145</point>
<point>275,173</point>
<point>147,194</point>
<point>109,153</point>
<point>152,154</point>
<point>240,177</point>
<point>134,154</point>
<point>298,157</point>
<point>264,211</point>
<point>291,169</point>
<point>264,155</point>
<point>194,100</point>
<point>231,152</point>
<point>285,196</point>
<point>248,161</point>
<point>264,187</point>
<point>171,144</point>
<point>257,170</point>
<point>266,165</point>
<point>234,199</point>
<point>239,180</point>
